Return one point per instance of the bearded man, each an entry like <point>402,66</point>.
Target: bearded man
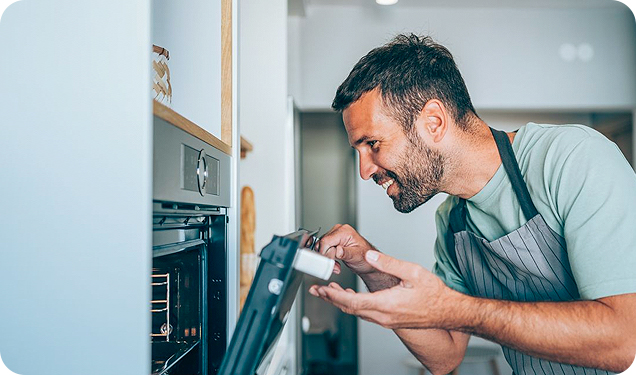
<point>536,246</point>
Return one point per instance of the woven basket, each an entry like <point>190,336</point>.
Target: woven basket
<point>161,88</point>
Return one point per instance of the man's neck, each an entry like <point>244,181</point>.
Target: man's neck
<point>474,161</point>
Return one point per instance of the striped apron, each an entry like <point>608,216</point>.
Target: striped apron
<point>529,264</point>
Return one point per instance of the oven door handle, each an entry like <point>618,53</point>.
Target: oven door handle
<point>159,251</point>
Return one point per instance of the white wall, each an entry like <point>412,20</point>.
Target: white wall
<point>265,121</point>
<point>263,114</point>
<point>294,65</point>
<point>509,57</point>
<point>75,188</point>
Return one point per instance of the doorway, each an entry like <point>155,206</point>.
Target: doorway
<point>327,171</point>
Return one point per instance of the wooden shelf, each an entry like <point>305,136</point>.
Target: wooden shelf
<point>188,126</point>
<point>246,147</point>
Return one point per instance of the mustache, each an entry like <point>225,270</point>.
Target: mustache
<point>377,177</point>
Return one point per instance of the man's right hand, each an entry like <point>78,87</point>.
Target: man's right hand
<point>344,243</point>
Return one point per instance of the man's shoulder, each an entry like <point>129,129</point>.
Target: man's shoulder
<point>547,146</point>
<point>558,137</point>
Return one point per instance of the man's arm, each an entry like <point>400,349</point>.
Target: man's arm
<point>598,334</point>
<point>439,350</point>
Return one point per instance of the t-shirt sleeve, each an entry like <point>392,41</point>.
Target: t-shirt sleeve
<point>595,197</point>
<point>444,266</point>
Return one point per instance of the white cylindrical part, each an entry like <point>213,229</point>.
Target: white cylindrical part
<point>314,264</point>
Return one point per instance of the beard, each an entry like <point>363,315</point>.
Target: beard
<point>418,174</point>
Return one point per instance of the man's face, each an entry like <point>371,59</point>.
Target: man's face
<point>401,163</point>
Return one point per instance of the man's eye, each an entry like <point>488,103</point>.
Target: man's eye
<point>372,143</point>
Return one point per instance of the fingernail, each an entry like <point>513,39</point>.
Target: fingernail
<point>372,256</point>
<point>313,292</point>
<point>339,252</point>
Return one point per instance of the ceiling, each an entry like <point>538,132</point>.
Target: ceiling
<point>298,7</point>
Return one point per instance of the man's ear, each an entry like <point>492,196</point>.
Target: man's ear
<point>433,120</point>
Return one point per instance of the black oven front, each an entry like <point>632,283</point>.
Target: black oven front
<point>189,304</point>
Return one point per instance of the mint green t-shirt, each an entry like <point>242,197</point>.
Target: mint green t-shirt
<point>584,189</point>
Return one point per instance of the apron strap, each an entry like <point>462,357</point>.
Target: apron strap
<point>457,218</point>
<point>514,174</point>
<point>457,223</point>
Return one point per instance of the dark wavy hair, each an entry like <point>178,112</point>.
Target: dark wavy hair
<point>409,71</point>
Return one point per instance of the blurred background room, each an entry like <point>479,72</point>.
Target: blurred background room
<point>96,155</point>
<point>545,61</point>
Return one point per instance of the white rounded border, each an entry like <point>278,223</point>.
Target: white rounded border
<point>4,370</point>
<point>4,4</point>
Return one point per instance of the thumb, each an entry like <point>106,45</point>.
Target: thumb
<point>405,271</point>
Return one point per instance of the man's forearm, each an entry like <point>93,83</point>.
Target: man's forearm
<point>440,351</point>
<point>437,349</point>
<point>582,333</point>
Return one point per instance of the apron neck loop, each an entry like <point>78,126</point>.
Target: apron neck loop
<point>457,219</point>
<point>514,174</point>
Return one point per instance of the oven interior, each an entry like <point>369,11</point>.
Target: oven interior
<point>188,306</point>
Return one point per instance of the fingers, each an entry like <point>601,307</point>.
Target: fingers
<point>337,286</point>
<point>348,300</point>
<point>330,240</point>
<point>334,252</point>
<point>334,243</point>
<point>366,306</point>
<point>313,290</point>
<point>406,271</point>
<point>337,268</point>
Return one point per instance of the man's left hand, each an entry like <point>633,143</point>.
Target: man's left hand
<point>420,300</point>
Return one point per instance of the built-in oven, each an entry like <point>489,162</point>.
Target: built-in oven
<point>188,305</point>
<point>189,301</point>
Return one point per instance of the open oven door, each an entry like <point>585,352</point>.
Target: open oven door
<point>275,285</point>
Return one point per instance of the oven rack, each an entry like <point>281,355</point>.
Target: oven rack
<point>159,306</point>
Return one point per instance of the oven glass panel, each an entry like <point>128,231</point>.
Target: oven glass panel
<point>189,302</point>
<point>176,311</point>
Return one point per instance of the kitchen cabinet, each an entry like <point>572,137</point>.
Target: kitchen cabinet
<point>176,119</point>
<point>76,186</point>
<point>199,37</point>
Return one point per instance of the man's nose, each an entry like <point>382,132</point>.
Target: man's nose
<point>367,166</point>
